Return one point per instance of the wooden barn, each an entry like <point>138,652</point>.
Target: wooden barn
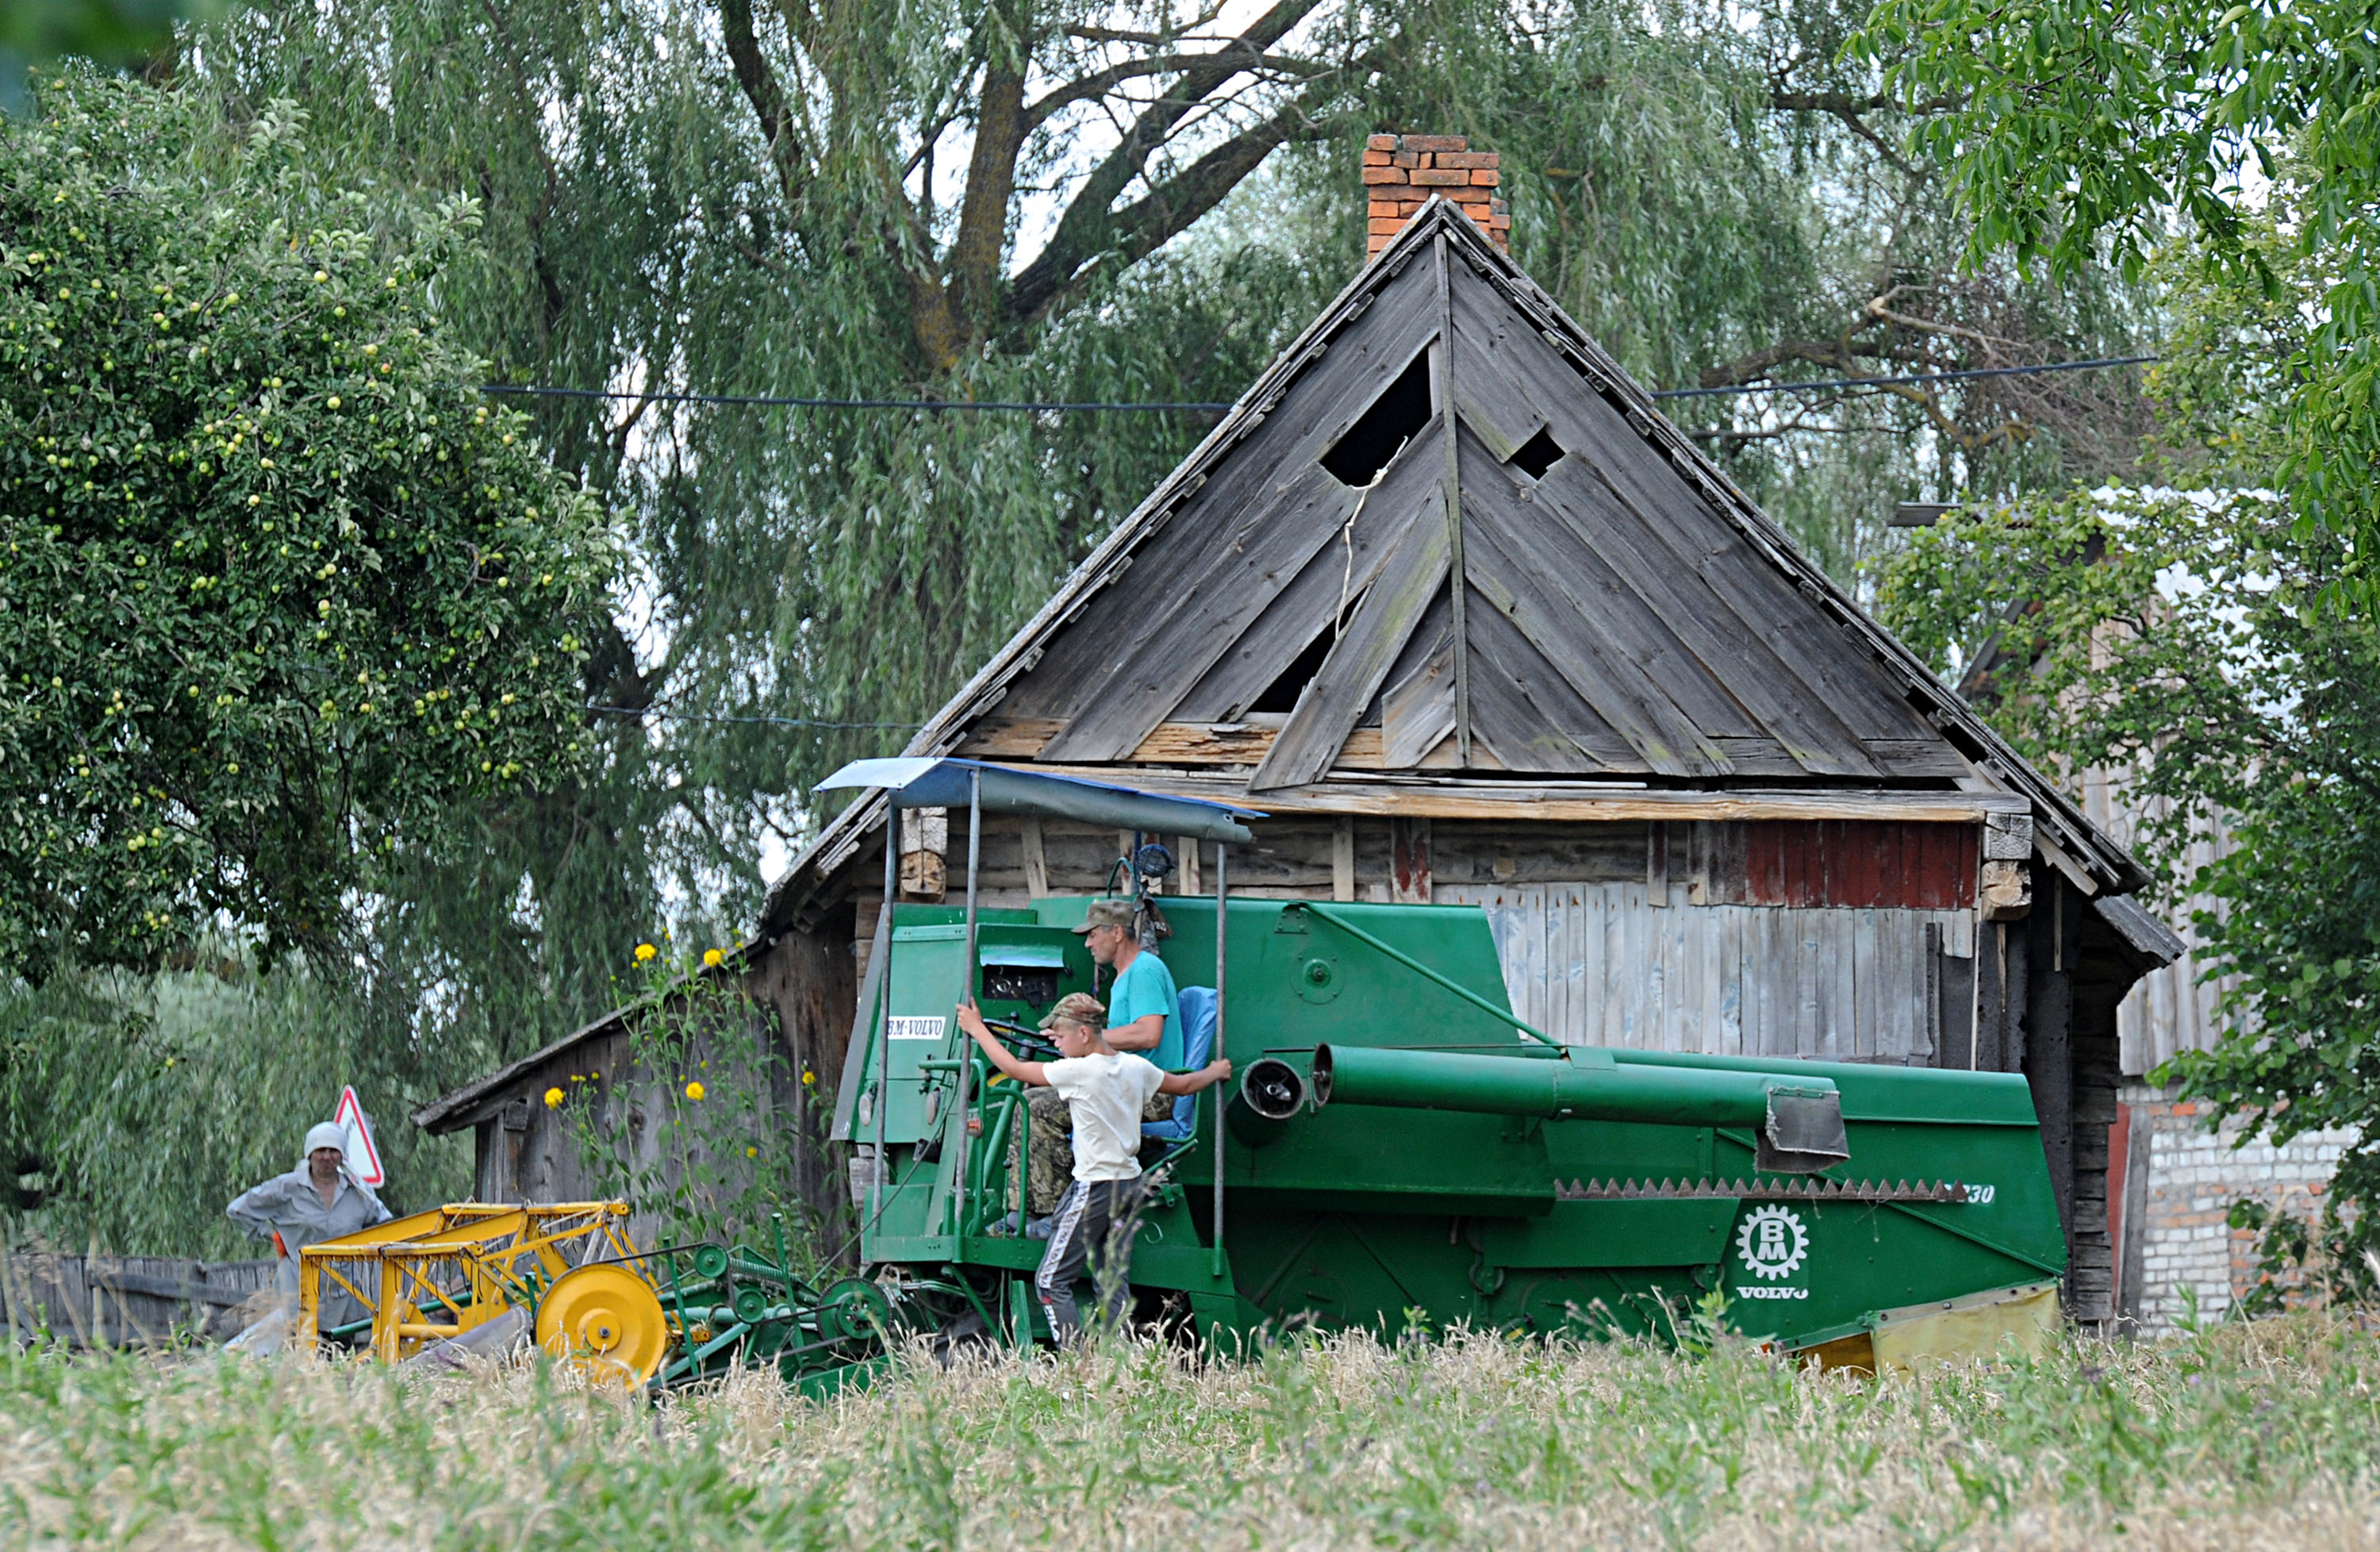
<point>1447,598</point>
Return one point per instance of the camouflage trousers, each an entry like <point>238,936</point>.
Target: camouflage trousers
<point>1050,1156</point>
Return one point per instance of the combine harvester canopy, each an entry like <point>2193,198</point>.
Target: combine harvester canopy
<point>1395,1148</point>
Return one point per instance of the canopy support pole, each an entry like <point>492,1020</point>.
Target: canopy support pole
<point>883,1005</point>
<point>1223,936</point>
<point>966,994</point>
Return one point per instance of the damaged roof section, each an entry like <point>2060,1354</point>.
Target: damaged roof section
<point>1445,545</point>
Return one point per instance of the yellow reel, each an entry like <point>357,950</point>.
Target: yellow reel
<point>607,1321</point>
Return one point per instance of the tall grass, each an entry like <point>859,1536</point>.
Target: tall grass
<point>2247,1437</point>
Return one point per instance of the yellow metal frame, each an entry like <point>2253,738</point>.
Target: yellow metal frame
<point>433,1275</point>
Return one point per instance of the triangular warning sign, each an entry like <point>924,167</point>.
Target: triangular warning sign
<point>363,1154</point>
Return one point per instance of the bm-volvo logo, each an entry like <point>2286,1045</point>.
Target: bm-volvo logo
<point>1772,1244</point>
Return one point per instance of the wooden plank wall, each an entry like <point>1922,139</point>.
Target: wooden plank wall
<point>1814,939</point>
<point>1602,964</point>
<point>127,1301</point>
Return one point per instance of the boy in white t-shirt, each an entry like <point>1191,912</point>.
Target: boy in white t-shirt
<point>1105,1091</point>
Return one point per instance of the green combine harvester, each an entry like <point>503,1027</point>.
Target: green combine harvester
<point>1395,1150</point>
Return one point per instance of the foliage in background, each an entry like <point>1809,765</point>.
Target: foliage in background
<point>2206,642</point>
<point>278,587</point>
<point>2239,1436</point>
<point>133,1108</point>
<point>2190,642</point>
<point>2086,128</point>
<point>838,201</point>
<point>1707,188</point>
<point>692,1134</point>
<point>109,32</point>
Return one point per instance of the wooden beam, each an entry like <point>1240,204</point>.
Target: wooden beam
<point>1343,858</point>
<point>1442,390</point>
<point>1531,801</point>
<point>1037,861</point>
<point>1172,743</point>
<point>1334,699</point>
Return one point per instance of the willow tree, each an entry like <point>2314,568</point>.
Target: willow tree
<point>964,201</point>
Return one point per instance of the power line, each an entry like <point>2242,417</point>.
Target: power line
<point>931,405</point>
<point>1202,408</point>
<point>766,721</point>
<point>1914,376</point>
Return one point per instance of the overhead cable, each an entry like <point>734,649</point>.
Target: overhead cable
<point>1205,407</point>
<point>765,722</point>
<point>1824,383</point>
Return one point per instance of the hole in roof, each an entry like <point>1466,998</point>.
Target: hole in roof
<point>1358,457</point>
<point>1282,693</point>
<point>1537,455</point>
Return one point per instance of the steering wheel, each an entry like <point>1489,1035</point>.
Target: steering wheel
<point>1021,1035</point>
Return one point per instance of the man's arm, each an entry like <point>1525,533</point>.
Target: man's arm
<point>1142,1034</point>
<point>1028,1073</point>
<point>1215,1072</point>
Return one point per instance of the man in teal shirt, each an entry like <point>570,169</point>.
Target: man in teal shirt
<point>1144,1008</point>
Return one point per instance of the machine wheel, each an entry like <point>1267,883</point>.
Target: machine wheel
<point>853,1310</point>
<point>607,1321</point>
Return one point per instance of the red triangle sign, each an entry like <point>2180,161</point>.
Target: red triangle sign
<point>363,1154</point>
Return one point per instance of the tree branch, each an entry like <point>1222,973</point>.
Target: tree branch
<point>768,98</point>
<point>1090,225</point>
<point>1099,84</point>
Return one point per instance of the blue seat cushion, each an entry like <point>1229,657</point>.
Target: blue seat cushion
<point>1197,1050</point>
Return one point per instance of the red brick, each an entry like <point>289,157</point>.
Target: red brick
<point>1380,143</point>
<point>1436,142</point>
<point>1385,209</point>
<point>1384,227</point>
<point>1384,175</point>
<point>1466,159</point>
<point>1466,195</point>
<point>1435,178</point>
<point>1486,177</point>
<point>1405,159</point>
<point>1375,159</point>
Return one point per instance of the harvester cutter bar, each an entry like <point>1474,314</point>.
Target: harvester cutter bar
<point>1951,1191</point>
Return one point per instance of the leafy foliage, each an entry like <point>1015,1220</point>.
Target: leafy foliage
<point>2208,646</point>
<point>278,585</point>
<point>2190,643</point>
<point>2084,124</point>
<point>674,196</point>
<point>134,1106</point>
<point>690,1133</point>
<point>34,32</point>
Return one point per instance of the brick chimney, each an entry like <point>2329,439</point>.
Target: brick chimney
<point>1401,172</point>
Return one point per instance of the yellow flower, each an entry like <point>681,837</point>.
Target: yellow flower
<point>809,1077</point>
<point>554,1099</point>
<point>645,952</point>
<point>712,956</point>
<point>751,1153</point>
<point>693,1090</point>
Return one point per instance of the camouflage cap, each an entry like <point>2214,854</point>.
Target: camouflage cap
<point>1106,912</point>
<point>1077,1007</point>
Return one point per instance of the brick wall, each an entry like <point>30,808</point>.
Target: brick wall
<point>2181,1181</point>
<point>1402,172</point>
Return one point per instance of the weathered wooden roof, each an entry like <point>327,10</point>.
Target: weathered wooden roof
<point>1279,622</point>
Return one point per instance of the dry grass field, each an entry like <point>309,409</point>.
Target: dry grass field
<point>2237,1438</point>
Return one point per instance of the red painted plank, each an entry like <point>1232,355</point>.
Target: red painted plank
<point>1857,863</point>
